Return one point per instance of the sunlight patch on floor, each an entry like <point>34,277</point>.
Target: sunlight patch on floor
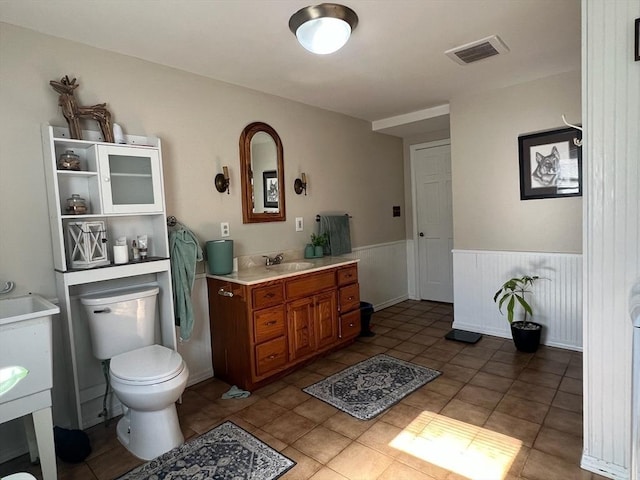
<point>471,451</point>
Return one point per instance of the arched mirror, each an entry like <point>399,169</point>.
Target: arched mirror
<point>262,172</point>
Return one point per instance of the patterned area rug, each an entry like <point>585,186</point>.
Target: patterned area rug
<point>226,452</point>
<point>368,388</point>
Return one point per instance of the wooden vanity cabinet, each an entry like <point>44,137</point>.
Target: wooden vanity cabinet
<point>259,332</point>
<point>312,324</point>
<point>349,303</point>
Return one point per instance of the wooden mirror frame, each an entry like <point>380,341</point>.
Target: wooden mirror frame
<point>248,215</point>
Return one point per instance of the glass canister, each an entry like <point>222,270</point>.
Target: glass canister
<point>68,161</point>
<point>76,205</point>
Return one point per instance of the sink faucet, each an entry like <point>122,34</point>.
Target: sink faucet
<point>273,260</point>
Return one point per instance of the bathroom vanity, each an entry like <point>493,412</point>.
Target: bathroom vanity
<point>267,321</point>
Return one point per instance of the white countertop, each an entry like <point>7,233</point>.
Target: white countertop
<point>259,274</point>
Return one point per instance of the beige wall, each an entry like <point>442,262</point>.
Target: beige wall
<point>349,168</point>
<point>487,211</point>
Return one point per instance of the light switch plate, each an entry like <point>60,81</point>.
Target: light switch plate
<point>299,224</point>
<point>224,229</point>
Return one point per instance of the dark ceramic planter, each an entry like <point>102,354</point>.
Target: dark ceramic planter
<point>526,340</point>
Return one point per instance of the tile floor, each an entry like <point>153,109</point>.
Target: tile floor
<point>493,414</point>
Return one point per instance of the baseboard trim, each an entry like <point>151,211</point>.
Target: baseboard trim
<point>606,469</point>
<point>501,334</point>
<point>390,303</point>
<point>200,377</point>
<point>14,452</point>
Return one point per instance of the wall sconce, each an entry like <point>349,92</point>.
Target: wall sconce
<point>300,184</point>
<point>222,180</point>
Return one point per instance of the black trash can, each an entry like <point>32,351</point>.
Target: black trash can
<point>366,310</point>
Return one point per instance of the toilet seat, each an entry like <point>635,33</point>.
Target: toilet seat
<point>147,365</point>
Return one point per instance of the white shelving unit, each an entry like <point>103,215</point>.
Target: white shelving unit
<point>123,187</point>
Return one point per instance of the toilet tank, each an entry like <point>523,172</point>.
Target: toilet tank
<point>121,320</point>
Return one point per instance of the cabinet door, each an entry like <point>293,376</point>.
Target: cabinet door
<point>325,316</point>
<point>131,179</point>
<point>302,340</point>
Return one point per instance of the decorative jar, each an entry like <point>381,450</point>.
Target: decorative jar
<point>69,161</point>
<point>76,205</point>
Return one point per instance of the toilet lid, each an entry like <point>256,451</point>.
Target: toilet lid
<point>152,364</point>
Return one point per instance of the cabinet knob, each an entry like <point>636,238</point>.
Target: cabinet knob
<point>224,293</point>
<point>272,356</point>
<point>351,297</point>
<point>351,324</point>
<point>270,295</point>
<point>272,322</point>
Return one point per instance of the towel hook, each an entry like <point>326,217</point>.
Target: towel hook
<point>576,142</point>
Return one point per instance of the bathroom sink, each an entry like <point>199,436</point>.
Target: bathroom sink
<point>27,307</point>
<point>25,336</point>
<point>291,266</point>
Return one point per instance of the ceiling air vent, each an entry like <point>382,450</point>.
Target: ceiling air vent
<point>478,50</point>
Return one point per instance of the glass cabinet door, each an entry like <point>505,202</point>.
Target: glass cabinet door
<point>130,179</point>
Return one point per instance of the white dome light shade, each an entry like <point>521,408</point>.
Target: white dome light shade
<point>323,28</point>
<point>323,35</point>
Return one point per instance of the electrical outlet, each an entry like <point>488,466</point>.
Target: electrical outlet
<point>299,224</point>
<point>224,229</point>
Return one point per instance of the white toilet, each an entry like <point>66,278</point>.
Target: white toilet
<point>147,379</point>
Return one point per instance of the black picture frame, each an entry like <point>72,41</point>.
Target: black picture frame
<point>270,188</point>
<point>637,41</point>
<point>550,164</point>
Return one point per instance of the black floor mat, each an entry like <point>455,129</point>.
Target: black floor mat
<point>463,336</point>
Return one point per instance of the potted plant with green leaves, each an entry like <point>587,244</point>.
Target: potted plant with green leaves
<point>525,333</point>
<point>319,242</point>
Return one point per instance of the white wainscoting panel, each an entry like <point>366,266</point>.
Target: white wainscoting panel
<point>556,303</point>
<point>611,115</point>
<point>196,351</point>
<point>382,273</point>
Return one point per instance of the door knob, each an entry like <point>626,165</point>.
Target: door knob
<point>421,234</point>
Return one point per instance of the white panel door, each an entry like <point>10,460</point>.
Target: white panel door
<point>434,221</point>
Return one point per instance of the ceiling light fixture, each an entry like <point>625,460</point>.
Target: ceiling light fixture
<point>323,28</point>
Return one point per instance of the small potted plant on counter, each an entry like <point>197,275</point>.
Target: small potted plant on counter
<point>319,242</point>
<point>525,333</point>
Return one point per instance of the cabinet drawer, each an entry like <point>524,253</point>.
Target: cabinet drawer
<point>271,355</point>
<point>349,297</point>
<point>347,275</point>
<point>350,324</point>
<point>267,296</point>
<point>310,284</point>
<point>268,323</point>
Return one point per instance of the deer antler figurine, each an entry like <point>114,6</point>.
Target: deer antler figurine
<point>73,112</point>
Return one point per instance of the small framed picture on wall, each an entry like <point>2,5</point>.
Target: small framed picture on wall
<point>271,191</point>
<point>550,164</point>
